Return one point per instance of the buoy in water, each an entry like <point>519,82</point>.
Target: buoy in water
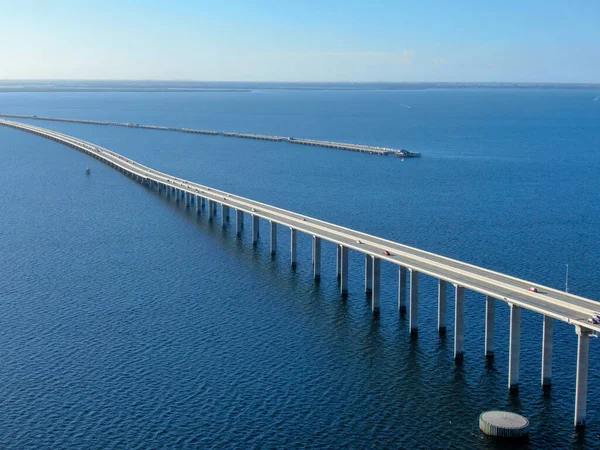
<point>503,424</point>
<point>87,171</point>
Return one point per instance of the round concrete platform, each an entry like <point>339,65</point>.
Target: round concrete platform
<point>503,424</point>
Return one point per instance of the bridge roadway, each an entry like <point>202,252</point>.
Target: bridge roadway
<point>316,143</point>
<point>551,303</point>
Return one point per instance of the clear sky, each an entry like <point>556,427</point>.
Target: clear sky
<point>308,40</point>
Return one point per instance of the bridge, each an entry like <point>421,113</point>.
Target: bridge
<point>370,149</point>
<point>411,262</point>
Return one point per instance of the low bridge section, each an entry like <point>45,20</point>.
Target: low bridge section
<point>552,304</point>
<point>292,140</point>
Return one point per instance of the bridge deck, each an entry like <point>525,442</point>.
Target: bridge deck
<point>548,301</point>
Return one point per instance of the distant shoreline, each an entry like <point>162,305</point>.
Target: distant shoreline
<point>241,87</point>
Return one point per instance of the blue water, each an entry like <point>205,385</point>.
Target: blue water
<point>128,322</point>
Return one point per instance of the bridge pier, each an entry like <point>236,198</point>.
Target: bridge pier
<point>273,227</point>
<point>293,247</point>
<point>338,268</point>
<point>402,289</point>
<point>376,285</point>
<point>255,226</point>
<point>369,274</point>
<point>316,258</point>
<point>224,215</point>
<point>198,204</point>
<point>442,297</point>
<point>239,221</point>
<point>459,323</point>
<point>211,209</point>
<point>583,351</point>
<point>344,271</point>
<point>547,332</point>
<point>414,301</point>
<point>514,347</point>
<point>490,313</point>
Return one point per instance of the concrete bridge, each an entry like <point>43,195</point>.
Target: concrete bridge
<point>411,262</point>
<point>373,150</point>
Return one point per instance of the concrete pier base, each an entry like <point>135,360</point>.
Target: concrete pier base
<point>198,204</point>
<point>442,296</point>
<point>459,323</point>
<point>490,313</point>
<point>514,347</point>
<point>402,289</point>
<point>368,274</point>
<point>414,302</point>
<point>255,226</point>
<point>547,331</point>
<point>583,351</point>
<point>273,230</point>
<point>316,258</point>
<point>211,209</point>
<point>293,247</point>
<point>239,222</point>
<point>375,285</point>
<point>344,271</point>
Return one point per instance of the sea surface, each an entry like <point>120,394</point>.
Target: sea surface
<point>127,321</point>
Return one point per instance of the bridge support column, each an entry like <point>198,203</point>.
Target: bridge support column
<point>198,204</point>
<point>239,221</point>
<point>547,332</point>
<point>338,268</point>
<point>583,350</point>
<point>273,227</point>
<point>293,246</point>
<point>316,257</point>
<point>255,226</point>
<point>490,313</point>
<point>414,301</point>
<point>376,285</point>
<point>515,347</point>
<point>211,209</point>
<point>188,199</point>
<point>459,323</point>
<point>369,274</point>
<point>224,215</point>
<point>344,271</point>
<point>442,297</point>
<point>402,289</point>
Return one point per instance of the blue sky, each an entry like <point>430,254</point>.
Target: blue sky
<point>310,40</point>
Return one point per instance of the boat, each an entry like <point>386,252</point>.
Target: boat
<point>88,171</point>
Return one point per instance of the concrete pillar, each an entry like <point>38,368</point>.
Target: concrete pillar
<point>293,246</point>
<point>188,197</point>
<point>211,209</point>
<point>316,258</point>
<point>224,215</point>
<point>239,222</point>
<point>402,289</point>
<point>273,227</point>
<point>442,297</point>
<point>198,205</point>
<point>514,347</point>
<point>459,323</point>
<point>255,225</point>
<point>376,285</point>
<point>547,332</point>
<point>344,271</point>
<point>414,301</point>
<point>583,350</point>
<point>338,267</point>
<point>368,274</point>
<point>490,313</point>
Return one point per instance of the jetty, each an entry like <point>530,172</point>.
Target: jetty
<point>453,276</point>
<point>370,149</point>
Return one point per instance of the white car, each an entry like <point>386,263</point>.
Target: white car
<point>358,241</point>
<point>595,319</point>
